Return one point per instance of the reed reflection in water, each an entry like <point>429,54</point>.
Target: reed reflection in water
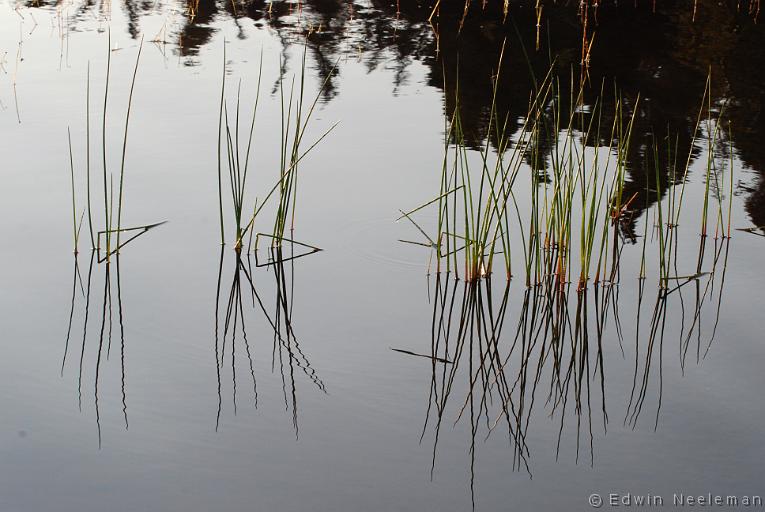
<point>110,324</point>
<point>234,310</point>
<point>504,355</point>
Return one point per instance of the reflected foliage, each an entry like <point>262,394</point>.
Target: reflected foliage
<point>659,51</point>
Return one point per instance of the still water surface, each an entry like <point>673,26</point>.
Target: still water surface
<point>138,413</point>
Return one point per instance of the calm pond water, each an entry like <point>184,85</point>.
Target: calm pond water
<point>157,382</point>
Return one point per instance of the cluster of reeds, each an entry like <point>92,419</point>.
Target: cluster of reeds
<point>473,212</point>
<point>570,180</point>
<point>113,226</point>
<point>234,153</point>
<point>709,131</point>
<point>572,230</point>
<point>478,211</point>
<point>569,223</point>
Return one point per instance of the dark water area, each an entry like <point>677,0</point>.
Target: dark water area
<point>183,375</point>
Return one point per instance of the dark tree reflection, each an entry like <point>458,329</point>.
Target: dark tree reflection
<point>660,52</point>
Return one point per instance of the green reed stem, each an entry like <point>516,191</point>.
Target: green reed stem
<point>220,133</point>
<point>124,144</point>
<point>107,225</point>
<point>74,206</point>
<point>87,155</point>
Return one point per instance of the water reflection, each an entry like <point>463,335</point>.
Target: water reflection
<point>110,307</point>
<point>648,51</point>
<point>231,313</point>
<point>707,284</point>
<point>498,377</point>
<point>503,357</point>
